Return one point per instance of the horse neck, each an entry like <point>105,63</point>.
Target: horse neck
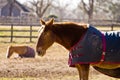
<point>68,35</point>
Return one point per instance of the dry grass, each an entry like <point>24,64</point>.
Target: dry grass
<point>108,28</point>
<point>53,66</point>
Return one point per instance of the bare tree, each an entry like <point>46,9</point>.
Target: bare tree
<point>115,10</point>
<point>40,6</point>
<point>11,2</point>
<point>88,8</point>
<point>109,7</point>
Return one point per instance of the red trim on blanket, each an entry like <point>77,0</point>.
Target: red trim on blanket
<point>70,56</point>
<point>73,65</point>
<point>77,42</point>
<point>104,48</point>
<point>70,59</point>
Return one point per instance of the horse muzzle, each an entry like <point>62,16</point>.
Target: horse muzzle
<point>41,51</point>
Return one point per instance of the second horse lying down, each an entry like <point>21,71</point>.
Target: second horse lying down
<point>22,51</point>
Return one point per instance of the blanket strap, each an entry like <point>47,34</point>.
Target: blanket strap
<point>104,48</point>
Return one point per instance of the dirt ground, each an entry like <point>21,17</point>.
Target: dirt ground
<point>52,66</point>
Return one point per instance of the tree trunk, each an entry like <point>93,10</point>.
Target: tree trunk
<point>88,8</point>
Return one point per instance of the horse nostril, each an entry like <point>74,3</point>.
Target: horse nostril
<point>38,52</point>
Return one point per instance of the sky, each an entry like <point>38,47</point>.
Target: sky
<point>22,1</point>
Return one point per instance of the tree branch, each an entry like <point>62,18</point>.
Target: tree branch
<point>85,7</point>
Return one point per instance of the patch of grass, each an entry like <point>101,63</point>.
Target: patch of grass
<point>19,79</point>
<point>105,28</point>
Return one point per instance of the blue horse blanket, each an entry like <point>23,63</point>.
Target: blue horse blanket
<point>96,46</point>
<point>30,53</point>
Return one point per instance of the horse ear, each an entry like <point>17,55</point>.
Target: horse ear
<point>42,22</point>
<point>50,22</point>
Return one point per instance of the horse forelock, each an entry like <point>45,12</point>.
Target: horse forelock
<point>41,29</point>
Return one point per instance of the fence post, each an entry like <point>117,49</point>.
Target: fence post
<point>112,27</point>
<point>30,33</point>
<point>11,33</point>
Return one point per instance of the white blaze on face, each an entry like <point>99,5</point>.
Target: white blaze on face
<point>41,29</point>
<point>8,51</point>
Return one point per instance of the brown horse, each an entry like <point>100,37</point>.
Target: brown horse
<point>22,51</point>
<point>68,34</point>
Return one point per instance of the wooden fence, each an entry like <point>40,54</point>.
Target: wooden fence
<point>11,31</point>
<point>102,23</point>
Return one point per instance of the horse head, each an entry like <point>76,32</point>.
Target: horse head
<point>46,38</point>
<point>65,33</point>
<point>9,51</point>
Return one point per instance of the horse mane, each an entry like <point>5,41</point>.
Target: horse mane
<point>69,32</point>
<point>71,24</point>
